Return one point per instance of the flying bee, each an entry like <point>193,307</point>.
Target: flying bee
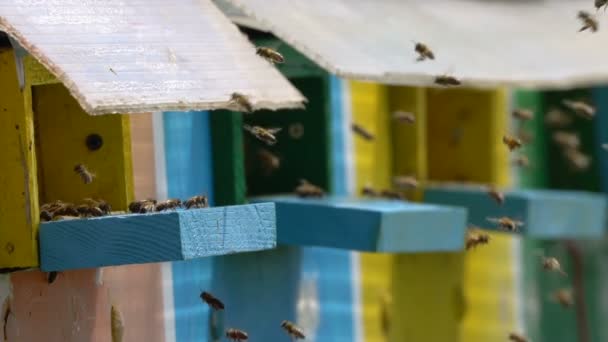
<point>143,206</point>
<point>212,301</point>
<point>423,52</point>
<point>270,55</point>
<point>369,191</point>
<point>169,204</point>
<point>197,202</point>
<point>391,194</point>
<point>292,330</point>
<point>447,81</point>
<point>362,132</point>
<point>557,118</point>
<point>475,238</point>
<point>404,117</point>
<point>84,173</point>
<point>564,297</point>
<point>511,142</point>
<point>236,335</point>
<point>515,337</point>
<point>264,134</point>
<point>580,108</point>
<point>242,102</point>
<point>306,189</point>
<point>523,114</point>
<point>600,3</point>
<point>589,22</point>
<point>506,223</point>
<point>566,139</point>
<point>496,195</point>
<point>552,264</point>
<point>269,161</point>
<point>577,160</point>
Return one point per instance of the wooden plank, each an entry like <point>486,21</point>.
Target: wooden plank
<point>547,214</point>
<point>19,198</point>
<point>368,225</point>
<point>166,236</point>
<point>62,130</point>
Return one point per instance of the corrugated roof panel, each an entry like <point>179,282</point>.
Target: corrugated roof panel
<point>482,43</point>
<point>123,56</point>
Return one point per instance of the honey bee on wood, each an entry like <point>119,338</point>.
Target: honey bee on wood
<point>212,301</point>
<point>143,206</point>
<point>599,3</point>
<point>423,52</point>
<point>169,204</point>
<point>84,173</point>
<point>270,55</point>
<point>50,211</point>
<point>264,134</point>
<point>197,202</point>
<point>521,161</point>
<point>557,118</point>
<point>566,139</point>
<point>577,160</point>
<point>564,297</point>
<point>86,210</point>
<point>405,182</point>
<point>515,337</point>
<point>269,161</point>
<point>362,132</point>
<point>292,330</point>
<point>392,194</point>
<point>512,142</point>
<point>306,189</point>
<point>506,223</point>
<point>580,108</point>
<point>369,191</point>
<point>447,81</point>
<point>242,102</point>
<point>496,195</point>
<point>553,265</point>
<point>404,117</point>
<point>475,238</point>
<point>236,335</point>
<point>523,114</point>
<point>589,22</point>
<point>104,206</point>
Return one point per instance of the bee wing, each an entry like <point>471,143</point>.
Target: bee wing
<point>247,128</point>
<point>493,219</point>
<point>518,223</point>
<point>273,130</point>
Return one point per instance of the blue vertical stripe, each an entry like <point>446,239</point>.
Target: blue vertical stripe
<point>337,139</point>
<point>189,173</point>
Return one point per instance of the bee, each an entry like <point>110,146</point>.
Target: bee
<point>577,160</point>
<point>104,206</point>
<point>475,238</point>
<point>45,216</point>
<point>404,117</point>
<point>557,118</point>
<point>369,191</point>
<point>566,140</point>
<point>270,55</point>
<point>405,182</point>
<point>511,142</point>
<point>523,114</point>
<point>589,22</point>
<point>515,337</point>
<point>49,211</point>
<point>600,3</point>
<point>496,195</point>
<point>506,223</point>
<point>242,102</point>
<point>264,134</point>
<point>423,52</point>
<point>86,210</point>
<point>447,81</point>
<point>169,204</point>
<point>564,297</point>
<point>269,161</point>
<point>212,301</point>
<point>292,330</point>
<point>84,173</point>
<point>552,264</point>
<point>580,108</point>
<point>236,335</point>
<point>197,202</point>
<point>362,132</point>
<point>143,206</point>
<point>51,276</point>
<point>306,189</point>
<point>392,194</point>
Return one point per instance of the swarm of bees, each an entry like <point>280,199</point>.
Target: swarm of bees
<point>506,223</point>
<point>59,210</point>
<point>84,173</point>
<point>266,135</point>
<point>151,205</point>
<point>307,189</point>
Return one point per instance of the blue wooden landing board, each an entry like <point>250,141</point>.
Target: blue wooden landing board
<point>368,224</point>
<point>158,237</point>
<point>546,213</point>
